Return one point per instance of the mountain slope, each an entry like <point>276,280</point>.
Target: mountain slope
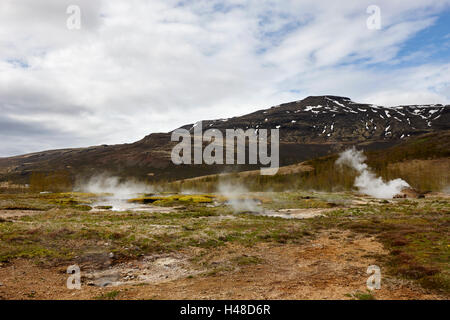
<point>422,161</point>
<point>309,128</point>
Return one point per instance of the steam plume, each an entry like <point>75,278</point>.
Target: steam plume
<point>114,185</point>
<point>234,194</point>
<point>367,182</point>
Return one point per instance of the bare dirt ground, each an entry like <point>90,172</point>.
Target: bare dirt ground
<point>332,266</point>
<point>12,214</point>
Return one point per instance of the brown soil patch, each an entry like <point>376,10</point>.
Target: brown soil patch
<point>332,266</point>
<point>13,214</point>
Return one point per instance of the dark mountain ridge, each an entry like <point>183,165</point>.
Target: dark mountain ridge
<point>309,128</point>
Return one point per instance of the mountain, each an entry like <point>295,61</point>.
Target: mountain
<point>423,161</point>
<point>309,128</point>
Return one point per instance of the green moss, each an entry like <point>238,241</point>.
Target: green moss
<point>77,194</point>
<point>65,202</point>
<point>196,199</point>
<point>103,207</point>
<point>145,200</point>
<point>362,296</point>
<point>163,200</point>
<point>83,207</point>
<point>112,295</point>
<point>152,199</point>
<point>30,251</point>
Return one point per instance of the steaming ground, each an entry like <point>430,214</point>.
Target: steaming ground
<point>236,198</point>
<point>241,245</point>
<point>115,191</point>
<point>119,188</point>
<point>367,182</point>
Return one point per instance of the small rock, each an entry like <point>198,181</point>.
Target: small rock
<point>111,255</point>
<point>1,284</point>
<point>105,284</point>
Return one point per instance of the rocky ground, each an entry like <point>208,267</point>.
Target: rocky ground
<point>209,251</point>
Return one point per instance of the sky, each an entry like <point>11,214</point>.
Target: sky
<point>140,66</point>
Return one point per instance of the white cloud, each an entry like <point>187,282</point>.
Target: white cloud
<point>138,67</point>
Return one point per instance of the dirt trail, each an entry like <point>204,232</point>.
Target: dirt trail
<point>333,266</point>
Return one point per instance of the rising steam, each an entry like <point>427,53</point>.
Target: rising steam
<point>367,182</point>
<point>120,189</point>
<point>234,193</point>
